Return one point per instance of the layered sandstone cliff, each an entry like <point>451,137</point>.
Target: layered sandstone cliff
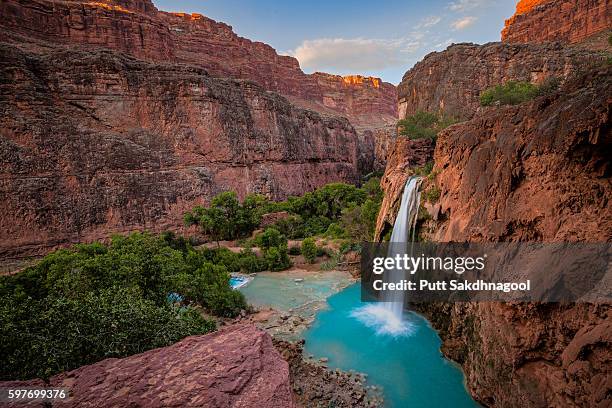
<point>538,171</point>
<point>139,29</point>
<point>95,142</point>
<point>569,21</point>
<point>451,81</point>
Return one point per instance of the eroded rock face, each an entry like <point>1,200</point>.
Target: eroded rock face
<point>94,143</point>
<point>139,29</point>
<point>569,21</point>
<point>451,81</point>
<point>237,366</point>
<point>539,171</point>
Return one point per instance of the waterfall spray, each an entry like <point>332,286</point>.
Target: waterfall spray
<point>387,318</point>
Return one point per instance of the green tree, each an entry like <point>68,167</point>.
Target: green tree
<point>309,249</point>
<point>271,237</point>
<point>226,218</point>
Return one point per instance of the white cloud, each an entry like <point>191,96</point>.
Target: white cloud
<point>428,22</point>
<point>463,23</point>
<point>355,54</point>
<point>465,5</point>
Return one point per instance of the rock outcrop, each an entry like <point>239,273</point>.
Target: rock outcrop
<point>568,21</point>
<point>237,366</point>
<point>451,81</point>
<point>540,171</point>
<point>95,142</point>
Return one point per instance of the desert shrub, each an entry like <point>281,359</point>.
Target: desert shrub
<point>432,194</point>
<point>424,170</point>
<point>424,125</point>
<point>510,93</point>
<point>348,246</point>
<point>309,249</point>
<point>335,257</point>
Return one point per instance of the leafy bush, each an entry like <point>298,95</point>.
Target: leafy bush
<point>43,337</point>
<point>94,301</point>
<point>309,249</point>
<point>335,231</point>
<point>250,262</point>
<point>291,227</point>
<point>360,222</point>
<point>424,125</point>
<point>277,258</point>
<point>510,93</point>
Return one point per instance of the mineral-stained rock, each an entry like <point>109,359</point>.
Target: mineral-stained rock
<point>451,81</point>
<point>237,366</point>
<point>569,21</point>
<point>539,171</point>
<point>95,142</point>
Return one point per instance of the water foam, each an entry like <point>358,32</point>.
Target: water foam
<point>383,320</point>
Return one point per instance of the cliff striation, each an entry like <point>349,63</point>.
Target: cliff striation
<point>139,29</point>
<point>451,81</point>
<point>568,21</point>
<point>95,142</point>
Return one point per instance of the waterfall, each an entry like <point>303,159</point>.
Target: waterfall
<point>405,224</point>
<point>387,317</point>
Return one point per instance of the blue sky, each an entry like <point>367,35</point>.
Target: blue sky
<point>382,38</point>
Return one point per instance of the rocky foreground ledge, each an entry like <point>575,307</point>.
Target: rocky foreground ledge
<point>237,366</point>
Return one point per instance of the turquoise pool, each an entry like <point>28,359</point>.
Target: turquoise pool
<point>409,366</point>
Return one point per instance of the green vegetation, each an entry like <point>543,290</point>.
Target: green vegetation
<point>274,245</point>
<point>516,92</point>
<point>336,210</point>
<point>432,194</point>
<point>309,249</point>
<point>226,218</point>
<point>424,125</point>
<point>93,301</point>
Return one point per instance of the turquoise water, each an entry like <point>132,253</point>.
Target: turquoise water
<point>280,290</point>
<point>236,282</point>
<point>410,368</point>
